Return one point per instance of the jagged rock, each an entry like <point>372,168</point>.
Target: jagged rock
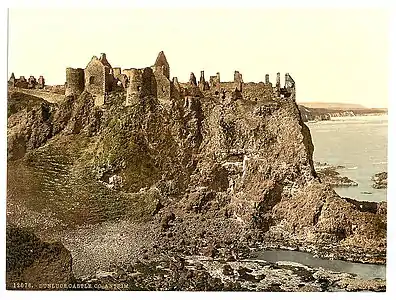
<point>380,180</point>
<point>329,175</point>
<point>29,124</point>
<point>30,260</point>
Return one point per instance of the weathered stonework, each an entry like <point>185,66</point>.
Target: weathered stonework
<point>203,85</point>
<point>289,82</point>
<point>193,80</point>
<point>99,78</point>
<point>214,83</point>
<point>116,72</point>
<point>123,80</point>
<point>41,82</point>
<point>32,82</point>
<point>163,84</point>
<point>267,80</point>
<point>161,65</point>
<point>12,80</point>
<point>22,83</point>
<point>278,84</point>
<point>238,81</point>
<point>75,81</point>
<point>176,90</point>
<point>142,83</point>
<point>289,89</point>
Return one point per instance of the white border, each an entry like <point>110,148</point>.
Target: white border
<point>209,4</point>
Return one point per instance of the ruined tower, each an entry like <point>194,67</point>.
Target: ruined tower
<point>99,78</point>
<point>267,79</point>
<point>134,90</point>
<point>75,82</point>
<point>141,84</point>
<point>238,81</point>
<point>203,85</point>
<point>278,84</point>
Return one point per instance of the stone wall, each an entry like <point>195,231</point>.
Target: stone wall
<point>21,83</point>
<point>163,86</point>
<point>116,72</point>
<point>99,100</point>
<point>256,91</point>
<point>228,86</point>
<point>176,89</point>
<point>48,96</point>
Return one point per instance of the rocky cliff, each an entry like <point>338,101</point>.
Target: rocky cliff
<point>324,113</point>
<point>198,174</point>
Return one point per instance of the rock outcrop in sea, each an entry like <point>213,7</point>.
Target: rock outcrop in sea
<point>380,180</point>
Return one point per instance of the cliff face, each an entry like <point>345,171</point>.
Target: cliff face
<point>323,113</point>
<point>201,164</point>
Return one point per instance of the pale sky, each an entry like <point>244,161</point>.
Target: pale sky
<point>334,55</point>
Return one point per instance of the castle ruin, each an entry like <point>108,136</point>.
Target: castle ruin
<point>99,79</point>
<point>31,83</point>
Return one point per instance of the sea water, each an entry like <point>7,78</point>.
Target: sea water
<point>360,145</point>
<point>364,271</point>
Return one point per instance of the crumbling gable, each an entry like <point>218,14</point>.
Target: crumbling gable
<point>161,65</point>
<point>290,87</point>
<point>12,80</point>
<point>161,73</point>
<point>99,77</point>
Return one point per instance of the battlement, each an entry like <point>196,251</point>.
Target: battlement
<point>238,89</point>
